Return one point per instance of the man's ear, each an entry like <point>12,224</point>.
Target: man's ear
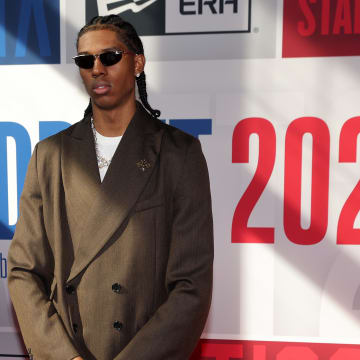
<point>139,64</point>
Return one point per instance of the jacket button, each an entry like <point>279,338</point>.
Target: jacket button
<point>117,325</point>
<point>75,328</point>
<point>116,288</point>
<point>70,289</point>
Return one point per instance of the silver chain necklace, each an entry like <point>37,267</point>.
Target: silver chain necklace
<point>101,160</point>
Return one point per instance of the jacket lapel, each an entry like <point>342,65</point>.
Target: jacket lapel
<point>127,175</point>
<point>80,174</point>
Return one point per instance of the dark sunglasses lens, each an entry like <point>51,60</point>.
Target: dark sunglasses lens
<point>110,58</point>
<point>85,61</point>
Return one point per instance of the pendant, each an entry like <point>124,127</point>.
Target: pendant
<point>102,162</point>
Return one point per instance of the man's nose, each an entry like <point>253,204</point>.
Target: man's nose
<point>98,68</point>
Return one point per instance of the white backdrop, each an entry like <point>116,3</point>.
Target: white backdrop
<point>281,291</point>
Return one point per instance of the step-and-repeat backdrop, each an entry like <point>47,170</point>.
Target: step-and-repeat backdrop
<point>272,90</point>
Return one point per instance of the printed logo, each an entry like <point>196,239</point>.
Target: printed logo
<point>118,7</point>
<point>153,17</point>
<point>29,32</point>
<point>321,28</point>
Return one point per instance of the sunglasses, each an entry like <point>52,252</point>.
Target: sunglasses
<point>107,58</point>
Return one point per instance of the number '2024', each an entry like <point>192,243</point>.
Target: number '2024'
<point>346,234</point>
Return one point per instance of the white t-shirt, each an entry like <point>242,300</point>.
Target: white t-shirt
<point>106,148</point>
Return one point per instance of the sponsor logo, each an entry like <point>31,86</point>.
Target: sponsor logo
<point>154,17</point>
<point>321,28</point>
<point>118,7</point>
<point>29,32</point>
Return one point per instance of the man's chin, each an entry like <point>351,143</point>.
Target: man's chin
<point>109,104</point>
<point>102,104</point>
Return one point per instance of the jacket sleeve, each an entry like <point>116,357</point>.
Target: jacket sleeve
<point>175,328</point>
<point>31,269</point>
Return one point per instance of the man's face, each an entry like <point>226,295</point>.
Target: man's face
<point>109,86</point>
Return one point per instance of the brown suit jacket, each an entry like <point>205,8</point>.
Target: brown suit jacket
<point>120,269</point>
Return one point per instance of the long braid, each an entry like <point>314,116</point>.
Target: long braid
<point>131,39</point>
<point>141,83</point>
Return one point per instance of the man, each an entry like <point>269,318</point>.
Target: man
<point>112,254</point>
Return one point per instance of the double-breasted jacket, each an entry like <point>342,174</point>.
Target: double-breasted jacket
<point>119,269</point>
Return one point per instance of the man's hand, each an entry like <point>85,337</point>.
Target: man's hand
<point>78,358</point>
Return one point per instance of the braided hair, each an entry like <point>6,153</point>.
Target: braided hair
<point>131,39</point>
